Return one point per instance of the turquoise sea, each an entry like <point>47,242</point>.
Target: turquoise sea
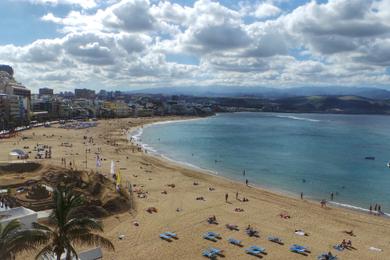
<point>311,153</point>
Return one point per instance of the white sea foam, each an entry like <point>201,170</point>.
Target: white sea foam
<point>136,136</point>
<point>298,118</point>
<point>356,208</point>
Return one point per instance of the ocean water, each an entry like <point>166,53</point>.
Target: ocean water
<point>311,153</point>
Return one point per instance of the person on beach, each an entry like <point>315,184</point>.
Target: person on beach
<point>301,195</point>
<point>379,208</point>
<point>226,197</point>
<point>375,207</point>
<point>243,173</point>
<point>370,208</point>
<point>237,195</point>
<point>247,182</point>
<point>331,196</point>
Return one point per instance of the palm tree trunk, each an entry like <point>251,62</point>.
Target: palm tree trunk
<point>59,254</point>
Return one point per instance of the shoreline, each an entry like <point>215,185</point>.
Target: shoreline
<point>135,233</point>
<point>164,158</point>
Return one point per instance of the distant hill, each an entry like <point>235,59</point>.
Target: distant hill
<point>269,93</point>
<point>329,104</point>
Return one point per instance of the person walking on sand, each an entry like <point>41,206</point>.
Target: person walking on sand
<point>226,197</point>
<point>237,195</point>
<point>301,195</point>
<point>247,182</point>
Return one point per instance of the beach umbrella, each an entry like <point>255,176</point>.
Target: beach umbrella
<point>17,152</point>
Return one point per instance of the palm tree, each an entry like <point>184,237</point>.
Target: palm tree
<point>14,239</point>
<point>70,228</point>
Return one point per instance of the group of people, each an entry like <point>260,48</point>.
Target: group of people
<point>5,204</point>
<point>376,208</point>
<point>43,151</point>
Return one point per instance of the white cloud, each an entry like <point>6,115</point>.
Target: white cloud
<point>142,43</point>
<point>266,10</point>
<point>86,4</point>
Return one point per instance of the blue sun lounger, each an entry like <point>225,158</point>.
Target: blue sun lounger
<point>165,237</point>
<point>255,250</point>
<point>209,254</point>
<point>212,236</point>
<point>275,240</point>
<point>325,256</point>
<point>298,249</point>
<point>170,234</point>
<point>235,242</point>
<point>212,252</point>
<point>211,233</point>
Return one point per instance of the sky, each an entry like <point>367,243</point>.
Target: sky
<point>135,44</point>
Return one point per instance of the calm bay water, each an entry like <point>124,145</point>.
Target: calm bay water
<point>311,153</point>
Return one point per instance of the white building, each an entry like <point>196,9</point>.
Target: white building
<point>24,215</point>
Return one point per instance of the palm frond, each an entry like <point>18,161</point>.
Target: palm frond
<point>26,240</point>
<point>47,251</point>
<point>93,240</point>
<point>89,223</point>
<point>37,225</point>
<point>12,226</point>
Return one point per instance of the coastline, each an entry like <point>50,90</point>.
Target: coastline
<point>179,210</point>
<point>164,158</point>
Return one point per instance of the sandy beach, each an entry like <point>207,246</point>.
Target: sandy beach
<point>179,211</point>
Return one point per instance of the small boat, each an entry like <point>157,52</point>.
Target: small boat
<point>369,158</point>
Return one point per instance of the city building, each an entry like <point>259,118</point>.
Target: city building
<point>84,93</point>
<point>46,91</point>
<point>18,98</point>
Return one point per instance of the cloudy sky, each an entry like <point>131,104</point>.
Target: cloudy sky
<point>133,44</point>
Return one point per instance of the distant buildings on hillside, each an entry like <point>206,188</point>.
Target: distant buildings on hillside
<point>18,107</point>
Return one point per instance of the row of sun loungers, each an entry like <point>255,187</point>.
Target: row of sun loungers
<point>212,252</point>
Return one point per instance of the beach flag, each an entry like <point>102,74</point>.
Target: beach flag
<point>98,161</point>
<point>112,170</point>
<point>118,178</point>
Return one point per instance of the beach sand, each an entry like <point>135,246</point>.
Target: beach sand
<point>325,226</point>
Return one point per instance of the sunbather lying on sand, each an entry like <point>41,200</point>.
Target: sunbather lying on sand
<point>232,227</point>
<point>200,198</point>
<point>151,210</point>
<point>212,220</point>
<point>300,232</point>
<point>238,210</point>
<point>284,215</point>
